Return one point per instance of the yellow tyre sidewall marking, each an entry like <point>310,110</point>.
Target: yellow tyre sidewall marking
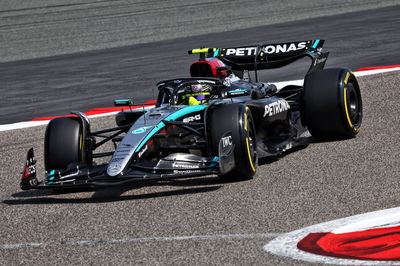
<point>347,111</point>
<point>247,142</point>
<point>346,80</point>
<point>248,152</point>
<point>81,144</point>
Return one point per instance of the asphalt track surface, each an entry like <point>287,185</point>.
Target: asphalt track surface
<point>143,224</point>
<point>38,28</point>
<point>232,221</point>
<point>57,85</point>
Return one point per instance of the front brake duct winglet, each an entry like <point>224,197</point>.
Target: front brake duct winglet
<point>226,153</point>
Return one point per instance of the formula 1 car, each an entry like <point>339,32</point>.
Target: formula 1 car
<point>217,122</point>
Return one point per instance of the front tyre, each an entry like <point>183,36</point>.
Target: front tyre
<point>63,143</point>
<point>331,104</point>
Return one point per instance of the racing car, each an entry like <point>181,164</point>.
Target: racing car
<point>219,121</point>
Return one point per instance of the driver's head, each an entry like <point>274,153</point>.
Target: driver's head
<point>196,94</point>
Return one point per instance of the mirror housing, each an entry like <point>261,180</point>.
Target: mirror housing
<point>223,68</point>
<point>124,102</point>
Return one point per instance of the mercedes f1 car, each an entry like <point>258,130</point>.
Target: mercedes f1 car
<point>219,121</point>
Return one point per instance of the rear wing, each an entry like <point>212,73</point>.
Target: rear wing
<point>267,56</point>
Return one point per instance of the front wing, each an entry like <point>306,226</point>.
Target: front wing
<point>84,176</point>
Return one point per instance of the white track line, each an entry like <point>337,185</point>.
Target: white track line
<point>22,125</point>
<point>280,85</point>
<point>138,240</point>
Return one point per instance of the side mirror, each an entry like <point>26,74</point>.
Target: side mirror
<point>125,102</point>
<point>223,68</point>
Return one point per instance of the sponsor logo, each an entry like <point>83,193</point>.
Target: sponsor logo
<point>140,130</point>
<point>276,108</point>
<point>178,165</point>
<point>206,81</point>
<point>123,150</point>
<point>33,182</point>
<point>225,153</point>
<point>284,48</point>
<point>142,151</point>
<point>320,60</point>
<point>31,169</point>
<point>70,175</point>
<point>231,78</point>
<point>186,171</point>
<point>226,141</point>
<point>269,49</point>
<point>113,168</point>
<point>192,118</point>
<point>238,92</point>
<point>287,146</point>
<point>241,51</point>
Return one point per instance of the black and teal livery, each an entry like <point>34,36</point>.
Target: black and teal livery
<point>240,121</point>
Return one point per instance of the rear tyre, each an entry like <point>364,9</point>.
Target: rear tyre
<point>63,143</point>
<point>238,120</point>
<point>331,104</point>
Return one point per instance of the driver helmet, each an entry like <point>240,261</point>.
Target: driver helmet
<point>196,94</point>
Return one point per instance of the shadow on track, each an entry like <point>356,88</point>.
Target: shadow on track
<point>111,194</point>
<point>305,142</point>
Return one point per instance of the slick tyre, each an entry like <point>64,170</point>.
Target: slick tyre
<point>63,143</point>
<point>331,104</point>
<point>238,120</point>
